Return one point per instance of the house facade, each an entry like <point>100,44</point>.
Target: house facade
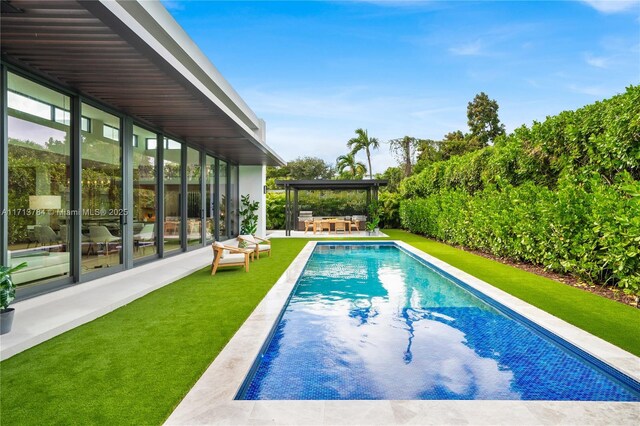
<point>121,143</point>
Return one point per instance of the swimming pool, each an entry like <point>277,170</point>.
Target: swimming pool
<point>373,322</point>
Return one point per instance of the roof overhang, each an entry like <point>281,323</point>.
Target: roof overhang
<point>134,57</point>
<point>332,185</point>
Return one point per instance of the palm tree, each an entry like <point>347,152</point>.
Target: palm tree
<point>348,161</point>
<point>363,142</point>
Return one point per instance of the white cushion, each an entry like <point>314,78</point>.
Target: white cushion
<point>224,252</point>
<point>232,258</point>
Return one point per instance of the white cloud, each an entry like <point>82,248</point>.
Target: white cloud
<point>469,49</point>
<point>174,4</point>
<point>597,61</point>
<point>614,6</point>
<point>310,122</point>
<point>597,91</point>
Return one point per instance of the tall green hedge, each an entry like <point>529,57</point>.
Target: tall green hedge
<point>562,194</point>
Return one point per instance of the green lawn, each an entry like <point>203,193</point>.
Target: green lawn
<point>134,365</point>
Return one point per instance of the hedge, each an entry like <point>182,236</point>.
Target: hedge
<point>588,228</point>
<point>563,194</point>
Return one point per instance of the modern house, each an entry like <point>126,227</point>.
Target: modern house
<point>121,143</point>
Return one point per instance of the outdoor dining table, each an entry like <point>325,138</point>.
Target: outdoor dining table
<point>318,225</point>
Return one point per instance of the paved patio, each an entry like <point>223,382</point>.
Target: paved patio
<point>310,234</point>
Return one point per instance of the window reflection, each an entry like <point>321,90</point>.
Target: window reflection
<point>194,198</point>
<point>210,189</point>
<point>39,181</point>
<point>144,193</point>
<point>172,196</point>
<point>222,191</point>
<point>101,191</point>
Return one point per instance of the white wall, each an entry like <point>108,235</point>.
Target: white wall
<point>252,182</point>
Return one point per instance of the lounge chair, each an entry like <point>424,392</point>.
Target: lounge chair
<point>228,256</point>
<point>259,245</point>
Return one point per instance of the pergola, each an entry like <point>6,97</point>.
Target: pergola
<point>291,203</point>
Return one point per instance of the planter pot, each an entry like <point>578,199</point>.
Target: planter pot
<point>6,320</point>
<point>376,231</point>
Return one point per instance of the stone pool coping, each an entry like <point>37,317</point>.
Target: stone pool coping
<point>211,401</point>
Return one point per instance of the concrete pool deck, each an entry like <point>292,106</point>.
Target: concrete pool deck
<point>211,400</point>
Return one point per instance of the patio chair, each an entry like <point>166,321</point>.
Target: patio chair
<point>325,224</point>
<point>228,256</point>
<point>308,225</point>
<point>259,245</point>
<point>340,225</point>
<point>354,225</point>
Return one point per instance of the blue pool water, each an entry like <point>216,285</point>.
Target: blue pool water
<point>373,322</point>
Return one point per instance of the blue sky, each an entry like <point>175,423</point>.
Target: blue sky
<point>316,71</point>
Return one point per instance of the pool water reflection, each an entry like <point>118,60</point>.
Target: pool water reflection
<point>372,322</point>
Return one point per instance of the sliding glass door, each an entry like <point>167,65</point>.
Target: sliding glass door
<point>145,198</point>
<point>101,186</point>
<point>39,161</point>
<point>172,220</point>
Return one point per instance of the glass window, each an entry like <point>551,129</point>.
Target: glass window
<point>222,202</point>
<point>194,198</point>
<point>144,195</point>
<point>62,116</point>
<point>39,184</point>
<point>172,195</point>
<point>110,132</point>
<point>210,189</point>
<point>101,192</point>
<point>233,201</point>
<point>86,124</point>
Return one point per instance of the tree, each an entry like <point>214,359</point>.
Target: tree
<point>309,168</point>
<point>361,142</point>
<point>483,121</point>
<point>394,175</point>
<point>349,168</point>
<point>428,152</point>
<point>455,143</point>
<point>404,149</point>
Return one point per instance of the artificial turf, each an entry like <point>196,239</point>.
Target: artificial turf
<point>134,365</point>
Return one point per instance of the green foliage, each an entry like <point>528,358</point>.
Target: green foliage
<point>558,194</point>
<point>7,286</point>
<point>275,210</point>
<point>362,142</point>
<point>483,121</point>
<point>584,227</point>
<point>302,168</point>
<point>247,211</point>
<point>373,218</point>
<point>394,175</point>
<point>349,168</point>
<point>389,209</point>
<point>404,149</point>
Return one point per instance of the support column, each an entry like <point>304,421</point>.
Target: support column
<point>75,228</point>
<point>4,171</point>
<point>287,223</point>
<point>160,197</point>
<point>295,214</point>
<point>127,193</point>
<point>183,197</point>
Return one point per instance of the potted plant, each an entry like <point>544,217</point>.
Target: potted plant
<point>249,224</point>
<point>7,294</point>
<point>373,221</point>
